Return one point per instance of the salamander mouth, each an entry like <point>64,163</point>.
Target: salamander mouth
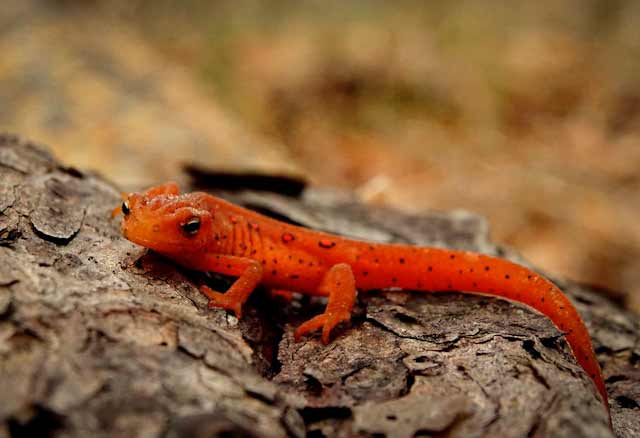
<point>163,246</point>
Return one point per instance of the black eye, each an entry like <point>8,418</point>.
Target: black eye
<point>191,226</point>
<point>125,208</point>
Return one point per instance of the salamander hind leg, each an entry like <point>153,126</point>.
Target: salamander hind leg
<point>340,285</point>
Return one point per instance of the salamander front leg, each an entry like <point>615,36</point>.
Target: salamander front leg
<point>340,285</point>
<point>249,274</point>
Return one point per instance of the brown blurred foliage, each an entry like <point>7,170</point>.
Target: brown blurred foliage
<point>525,112</point>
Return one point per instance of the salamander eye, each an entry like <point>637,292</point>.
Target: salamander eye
<point>125,208</point>
<point>191,226</point>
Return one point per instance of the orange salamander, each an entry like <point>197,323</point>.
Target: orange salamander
<point>202,232</point>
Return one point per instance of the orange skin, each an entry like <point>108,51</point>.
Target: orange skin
<point>202,232</point>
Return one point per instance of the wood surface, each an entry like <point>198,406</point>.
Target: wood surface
<point>99,337</point>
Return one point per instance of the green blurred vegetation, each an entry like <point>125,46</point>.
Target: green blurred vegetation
<point>365,65</point>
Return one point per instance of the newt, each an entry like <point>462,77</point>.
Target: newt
<point>206,233</point>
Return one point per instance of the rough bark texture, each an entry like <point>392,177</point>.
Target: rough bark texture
<point>99,337</point>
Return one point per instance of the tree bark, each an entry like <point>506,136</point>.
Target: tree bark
<point>99,337</point>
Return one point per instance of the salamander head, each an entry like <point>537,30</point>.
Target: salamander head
<point>165,221</point>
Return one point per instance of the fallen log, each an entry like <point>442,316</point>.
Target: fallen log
<point>99,337</point>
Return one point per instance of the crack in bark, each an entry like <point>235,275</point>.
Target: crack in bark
<point>539,377</point>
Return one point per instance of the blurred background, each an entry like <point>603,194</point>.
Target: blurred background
<point>527,113</point>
